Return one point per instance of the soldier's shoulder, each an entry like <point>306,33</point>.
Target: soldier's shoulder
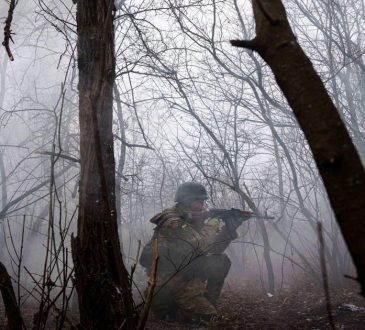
<point>173,222</point>
<point>165,215</point>
<point>156,218</point>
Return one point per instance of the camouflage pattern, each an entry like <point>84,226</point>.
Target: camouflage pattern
<point>191,267</point>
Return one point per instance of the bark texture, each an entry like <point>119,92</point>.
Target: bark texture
<point>15,320</point>
<point>102,281</point>
<point>334,153</point>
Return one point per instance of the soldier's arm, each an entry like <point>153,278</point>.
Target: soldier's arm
<point>183,236</point>
<point>225,236</point>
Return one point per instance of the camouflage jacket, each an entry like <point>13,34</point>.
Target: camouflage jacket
<point>182,242</point>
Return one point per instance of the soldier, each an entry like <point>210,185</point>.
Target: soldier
<point>192,267</point>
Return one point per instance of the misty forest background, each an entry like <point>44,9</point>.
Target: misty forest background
<point>187,106</point>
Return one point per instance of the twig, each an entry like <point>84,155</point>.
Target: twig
<point>351,277</point>
<point>4,212</point>
<point>133,268</point>
<point>151,288</point>
<point>7,30</point>
<point>325,275</point>
<point>51,303</point>
<point>20,259</point>
<point>133,145</point>
<point>50,153</point>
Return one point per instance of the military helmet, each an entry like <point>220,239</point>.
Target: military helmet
<point>190,191</point>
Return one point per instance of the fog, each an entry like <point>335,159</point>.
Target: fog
<point>187,107</point>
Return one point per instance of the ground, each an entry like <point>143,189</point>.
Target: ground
<point>244,306</point>
<point>299,307</point>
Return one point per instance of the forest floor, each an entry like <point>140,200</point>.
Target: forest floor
<point>301,306</point>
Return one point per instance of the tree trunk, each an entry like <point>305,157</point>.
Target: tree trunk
<point>267,257</point>
<point>102,281</point>
<point>4,199</point>
<point>335,155</point>
<point>15,320</point>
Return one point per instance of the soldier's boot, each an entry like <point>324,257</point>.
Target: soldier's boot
<point>183,316</point>
<point>216,277</point>
<point>213,292</point>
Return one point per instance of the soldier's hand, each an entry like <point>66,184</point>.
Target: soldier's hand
<point>213,222</point>
<point>233,222</point>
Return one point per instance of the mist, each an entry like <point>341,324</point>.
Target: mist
<point>187,106</point>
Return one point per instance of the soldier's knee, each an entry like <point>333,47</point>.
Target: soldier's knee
<point>217,265</point>
<point>226,262</point>
<point>223,262</point>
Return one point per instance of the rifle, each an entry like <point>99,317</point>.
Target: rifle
<point>226,215</point>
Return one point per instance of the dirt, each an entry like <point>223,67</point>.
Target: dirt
<point>246,307</point>
<point>301,307</point>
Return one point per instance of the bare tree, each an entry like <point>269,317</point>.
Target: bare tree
<point>338,163</point>
<point>102,281</point>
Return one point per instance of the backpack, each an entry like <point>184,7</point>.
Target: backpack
<point>159,219</point>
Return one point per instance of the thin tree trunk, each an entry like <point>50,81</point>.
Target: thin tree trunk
<point>335,155</point>
<point>266,242</point>
<point>120,170</point>
<point>267,257</point>
<point>4,198</point>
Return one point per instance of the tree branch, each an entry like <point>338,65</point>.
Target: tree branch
<point>249,44</point>
<point>7,30</point>
<point>50,153</point>
<point>131,145</point>
<point>6,208</point>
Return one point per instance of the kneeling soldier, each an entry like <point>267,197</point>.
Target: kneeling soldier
<point>192,267</point>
